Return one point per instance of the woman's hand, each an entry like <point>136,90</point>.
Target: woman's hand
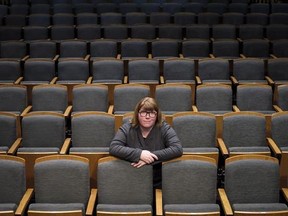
<point>148,157</point>
<point>139,164</point>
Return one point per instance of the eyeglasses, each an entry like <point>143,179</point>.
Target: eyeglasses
<point>150,114</point>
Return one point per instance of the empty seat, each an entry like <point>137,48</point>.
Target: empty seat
<point>10,72</point>
<point>103,49</point>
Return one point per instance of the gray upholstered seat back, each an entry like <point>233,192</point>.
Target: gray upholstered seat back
<point>244,130</point>
<point>196,130</point>
<point>114,186</point>
<point>214,69</point>
<point>252,181</point>
<point>108,69</point>
<point>43,130</point>
<point>189,182</point>
<point>62,181</point>
<point>39,70</point>
<point>143,70</point>
<point>254,98</point>
<point>9,70</point>
<point>73,69</point>
<point>93,130</point>
<point>8,130</point>
<point>126,97</point>
<point>13,98</point>
<point>282,97</point>
<point>214,98</point>
<point>73,49</point>
<point>90,98</point>
<point>49,98</point>
<point>279,128</point>
<point>179,70</point>
<point>174,98</point>
<point>249,69</point>
<point>12,181</point>
<point>275,69</point>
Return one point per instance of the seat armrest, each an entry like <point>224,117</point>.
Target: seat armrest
<point>24,201</point>
<point>91,202</point>
<point>242,56</point>
<point>19,80</point>
<point>111,109</point>
<point>277,108</point>
<point>26,110</point>
<point>65,146</point>
<point>198,80</point>
<point>89,80</point>
<point>68,111</point>
<point>285,193</point>
<point>225,202</point>
<point>235,108</point>
<point>234,80</point>
<point>125,80</point>
<point>15,146</point>
<point>194,108</point>
<point>162,80</point>
<point>271,143</point>
<point>269,80</point>
<point>159,202</point>
<point>87,57</point>
<point>223,147</point>
<point>212,55</point>
<point>56,57</point>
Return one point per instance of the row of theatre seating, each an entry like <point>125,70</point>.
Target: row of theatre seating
<point>127,7</point>
<point>146,49</point>
<point>133,18</point>
<point>189,184</point>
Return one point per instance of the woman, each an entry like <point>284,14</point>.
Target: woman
<point>147,139</point>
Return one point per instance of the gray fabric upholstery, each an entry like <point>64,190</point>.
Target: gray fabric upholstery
<point>126,97</point>
<point>224,31</point>
<point>62,181</point>
<point>13,49</point>
<point>189,185</point>
<point>62,32</point>
<point>134,48</point>
<point>89,32</point>
<point>8,131</point>
<point>90,98</point>
<point>214,69</point>
<point>209,18</point>
<point>275,69</point>
<point>244,131</point>
<point>12,183</point>
<point>143,31</point>
<point>49,98</point>
<point>135,18</point>
<point>9,70</point>
<point>73,70</point>
<point>184,18</point>
<point>196,131</point>
<point>263,207</point>
<point>42,49</point>
<point>254,98</point>
<point>57,207</point>
<point>170,31</point>
<point>226,48</point>
<point>137,191</point>
<point>252,181</point>
<point>117,32</point>
<point>123,208</point>
<point>105,70</point>
<point>258,48</point>
<point>8,207</point>
<point>197,31</point>
<point>196,48</point>
<point>257,18</point>
<point>165,48</point>
<point>73,48</point>
<point>43,131</point>
<point>103,48</point>
<point>39,70</point>
<point>93,130</point>
<point>174,98</point>
<point>196,208</point>
<point>110,18</point>
<point>145,70</point>
<point>233,18</point>
<point>249,69</point>
<point>159,18</point>
<point>250,31</point>
<point>279,48</point>
<point>179,70</point>
<point>214,98</point>
<point>279,127</point>
<point>13,98</point>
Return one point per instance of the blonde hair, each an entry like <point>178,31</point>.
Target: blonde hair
<point>147,104</point>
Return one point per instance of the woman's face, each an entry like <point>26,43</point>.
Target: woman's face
<point>146,118</point>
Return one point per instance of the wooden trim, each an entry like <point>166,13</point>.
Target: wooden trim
<point>96,85</point>
<point>61,157</point>
<point>225,202</point>
<point>105,213</point>
<point>37,113</point>
<point>59,213</point>
<point>96,113</point>
<point>250,113</point>
<point>267,213</point>
<point>107,159</point>
<point>251,157</point>
<point>191,113</point>
<point>12,158</point>
<point>191,157</point>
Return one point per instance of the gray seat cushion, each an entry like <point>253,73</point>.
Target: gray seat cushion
<point>124,208</point>
<point>192,208</point>
<point>263,207</point>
